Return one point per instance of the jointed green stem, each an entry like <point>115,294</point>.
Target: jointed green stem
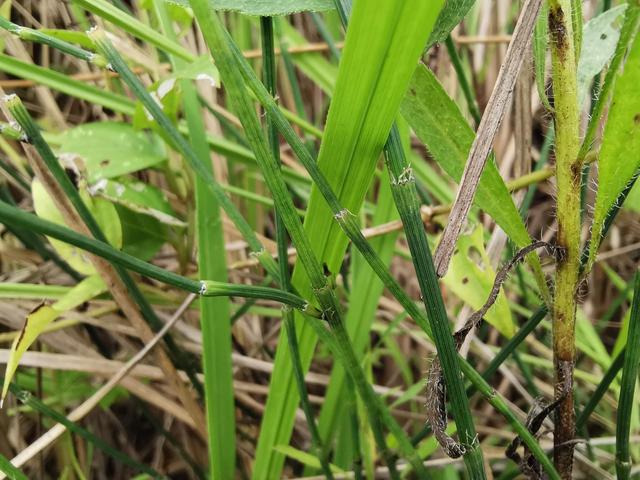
<point>269,67</point>
<point>33,135</point>
<point>182,146</point>
<point>11,215</point>
<point>406,199</point>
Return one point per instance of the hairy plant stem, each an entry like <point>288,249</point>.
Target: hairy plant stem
<point>568,179</point>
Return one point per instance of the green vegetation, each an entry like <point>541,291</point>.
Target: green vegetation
<point>222,247</point>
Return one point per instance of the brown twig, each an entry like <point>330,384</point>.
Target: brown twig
<point>491,120</point>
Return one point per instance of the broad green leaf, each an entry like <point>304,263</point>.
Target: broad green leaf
<point>139,197</point>
<point>267,8</point>
<point>383,43</point>
<point>619,159</point>
<point>599,41</point>
<point>104,212</point>
<point>438,122</point>
<point>43,315</point>
<point>111,149</point>
<point>451,15</point>
<point>142,235</point>
<point>470,277</point>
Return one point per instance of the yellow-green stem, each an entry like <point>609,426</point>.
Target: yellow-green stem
<point>568,178</point>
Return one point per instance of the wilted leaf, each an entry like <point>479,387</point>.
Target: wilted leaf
<point>43,315</point>
<point>471,277</point>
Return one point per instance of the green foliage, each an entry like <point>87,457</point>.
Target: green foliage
<point>266,8</point>
<point>108,149</point>
<point>618,161</point>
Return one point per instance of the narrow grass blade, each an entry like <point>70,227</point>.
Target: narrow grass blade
<point>12,473</point>
<point>27,398</point>
<point>214,312</point>
<point>628,386</point>
<point>385,44</point>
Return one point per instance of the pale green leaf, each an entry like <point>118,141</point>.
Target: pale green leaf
<point>470,277</point>
<point>104,213</point>
<point>110,149</point>
<point>599,41</point>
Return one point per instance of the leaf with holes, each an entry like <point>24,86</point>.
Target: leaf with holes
<point>470,278</point>
<point>111,149</point>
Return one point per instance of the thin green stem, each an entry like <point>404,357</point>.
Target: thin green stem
<point>11,215</point>
<point>628,386</point>
<point>472,105</point>
<point>406,199</point>
<point>269,73</point>
<point>32,35</point>
<point>32,132</point>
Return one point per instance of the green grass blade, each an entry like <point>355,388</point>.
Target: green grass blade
<point>12,472</point>
<point>628,386</point>
<point>214,312</point>
<point>66,84</point>
<point>384,48</point>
